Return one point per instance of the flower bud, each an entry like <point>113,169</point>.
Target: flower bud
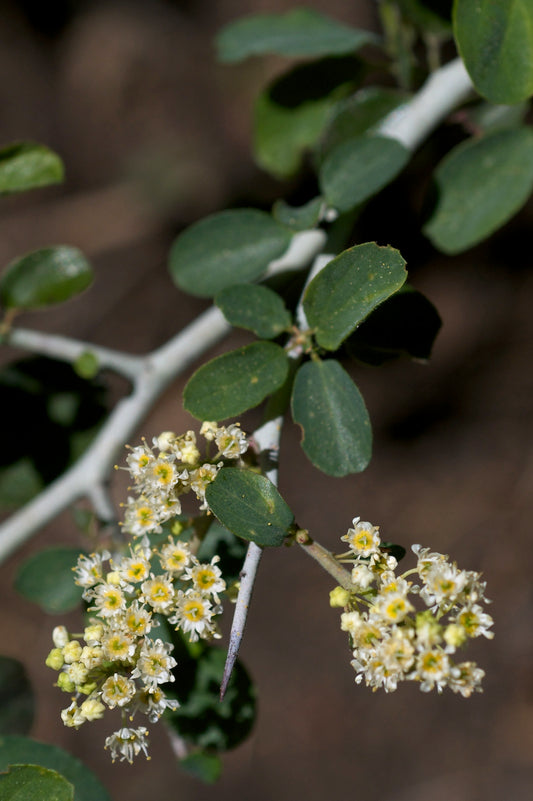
<point>339,597</point>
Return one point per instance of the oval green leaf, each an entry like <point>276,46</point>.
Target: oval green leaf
<point>16,698</point>
<point>337,436</point>
<point>26,165</point>
<point>44,277</point>
<point>299,33</point>
<point>349,288</point>
<point>34,783</point>
<point>22,750</point>
<point>480,184</point>
<point>358,168</point>
<point>495,40</point>
<point>256,308</point>
<point>46,578</point>
<point>231,247</point>
<point>203,766</point>
<point>235,382</point>
<point>290,116</point>
<point>250,506</point>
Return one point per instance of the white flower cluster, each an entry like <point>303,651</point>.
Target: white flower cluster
<point>173,467</point>
<point>116,663</point>
<point>394,642</point>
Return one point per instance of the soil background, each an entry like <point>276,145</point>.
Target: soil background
<point>155,134</point>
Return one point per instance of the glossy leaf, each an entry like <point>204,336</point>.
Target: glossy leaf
<point>22,750</point>
<point>250,506</point>
<point>45,277</point>
<point>337,436</point>
<point>236,381</point>
<point>228,248</point>
<point>26,165</point>
<point>358,168</point>
<point>202,720</point>
<point>16,698</point>
<point>349,288</point>
<point>300,33</point>
<point>298,218</point>
<point>34,783</point>
<point>255,308</point>
<point>495,41</point>
<point>406,323</point>
<point>356,115</point>
<point>46,578</point>
<point>480,185</point>
<point>290,115</point>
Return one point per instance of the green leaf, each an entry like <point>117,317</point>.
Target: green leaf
<point>406,323</point>
<point>298,33</point>
<point>250,506</point>
<point>228,248</point>
<point>46,578</point>
<point>290,115</point>
<point>255,308</point>
<point>16,698</point>
<point>45,277</point>
<point>236,381</point>
<point>34,783</point>
<point>26,165</point>
<point>480,184</point>
<point>358,168</point>
<point>495,41</point>
<point>203,720</point>
<point>349,288</point>
<point>206,767</point>
<point>356,115</point>
<point>487,117</point>
<point>19,483</point>
<point>86,365</point>
<point>337,436</point>
<point>20,750</point>
<point>298,218</point>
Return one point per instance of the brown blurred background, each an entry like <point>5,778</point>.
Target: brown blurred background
<point>155,134</point>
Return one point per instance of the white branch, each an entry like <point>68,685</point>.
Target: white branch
<point>443,91</point>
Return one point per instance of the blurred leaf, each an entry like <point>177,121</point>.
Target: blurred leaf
<point>19,483</point>
<point>34,783</point>
<point>358,168</point>
<point>255,308</point>
<point>223,543</point>
<point>398,551</point>
<point>250,506</point>
<point>228,248</point>
<point>45,277</point>
<point>46,578</point>
<point>86,365</point>
<point>26,165</point>
<point>489,117</point>
<point>202,719</point>
<point>481,184</point>
<point>495,41</point>
<point>336,432</point>
<point>298,218</point>
<point>30,389</point>
<point>16,698</point>
<point>206,767</point>
<point>406,323</point>
<point>356,115</point>
<point>349,288</point>
<point>291,113</point>
<point>236,381</point>
<point>297,33</point>
<point>19,750</point>
<point>431,16</point>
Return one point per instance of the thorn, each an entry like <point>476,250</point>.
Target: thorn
<point>248,573</point>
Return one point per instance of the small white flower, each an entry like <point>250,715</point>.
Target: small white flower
<point>154,665</point>
<point>363,538</point>
<point>118,690</point>
<point>194,614</point>
<point>128,743</point>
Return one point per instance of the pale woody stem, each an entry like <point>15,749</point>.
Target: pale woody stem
<point>325,558</point>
